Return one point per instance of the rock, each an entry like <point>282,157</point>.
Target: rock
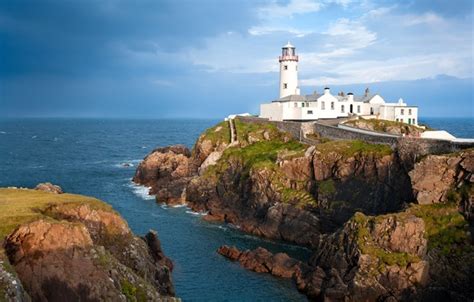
<point>86,253</point>
<point>446,178</point>
<point>49,187</point>
<point>210,161</point>
<point>261,260</point>
<point>165,171</point>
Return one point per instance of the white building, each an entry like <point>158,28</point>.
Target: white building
<point>295,107</point>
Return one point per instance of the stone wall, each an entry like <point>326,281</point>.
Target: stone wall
<point>417,146</point>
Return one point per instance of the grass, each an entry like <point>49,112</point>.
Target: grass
<point>19,206</point>
<point>385,125</point>
<point>446,228</point>
<point>326,187</point>
<point>349,148</point>
<point>258,155</point>
<point>368,247</point>
<point>132,292</point>
<point>219,133</point>
<point>256,130</point>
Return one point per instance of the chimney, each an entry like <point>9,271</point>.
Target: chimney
<point>367,91</point>
<point>350,97</point>
<point>326,90</point>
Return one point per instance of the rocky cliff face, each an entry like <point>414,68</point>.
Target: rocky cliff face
<point>83,251</point>
<point>273,186</point>
<point>393,257</point>
<point>446,178</point>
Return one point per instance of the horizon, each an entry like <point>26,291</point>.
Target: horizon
<point>124,60</point>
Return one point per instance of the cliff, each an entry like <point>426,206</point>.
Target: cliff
<point>384,221</point>
<point>66,247</point>
<point>420,254</point>
<point>273,186</point>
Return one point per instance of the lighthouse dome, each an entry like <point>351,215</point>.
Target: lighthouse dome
<point>288,45</point>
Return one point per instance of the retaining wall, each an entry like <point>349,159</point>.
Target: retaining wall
<point>418,146</point>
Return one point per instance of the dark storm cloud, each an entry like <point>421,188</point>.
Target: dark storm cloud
<point>77,37</point>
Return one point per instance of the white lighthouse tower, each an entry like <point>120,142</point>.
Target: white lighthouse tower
<point>288,71</point>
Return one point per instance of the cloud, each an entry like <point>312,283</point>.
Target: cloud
<point>398,68</point>
<point>292,8</point>
<point>429,18</point>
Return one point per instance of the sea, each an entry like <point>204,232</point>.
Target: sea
<point>98,157</point>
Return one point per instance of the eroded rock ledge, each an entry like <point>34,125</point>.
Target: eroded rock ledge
<point>76,248</point>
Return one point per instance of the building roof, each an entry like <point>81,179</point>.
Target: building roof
<point>292,98</point>
<point>315,96</point>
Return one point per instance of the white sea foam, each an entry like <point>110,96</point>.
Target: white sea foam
<point>179,206</point>
<point>34,136</point>
<point>141,191</point>
<point>3,132</point>
<point>197,213</point>
<point>128,163</point>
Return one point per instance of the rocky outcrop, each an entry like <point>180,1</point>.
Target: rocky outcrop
<point>446,178</point>
<point>86,252</point>
<point>49,187</point>
<point>382,258</point>
<point>261,260</point>
<point>165,170</point>
<point>273,186</point>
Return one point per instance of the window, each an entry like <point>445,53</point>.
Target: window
<point>332,105</point>
<point>409,111</point>
<point>358,108</point>
<point>342,108</point>
<point>285,85</point>
<point>310,111</point>
<point>296,68</point>
<point>323,106</point>
<point>302,104</point>
<point>285,67</point>
<point>296,105</point>
<point>414,121</point>
<point>402,111</point>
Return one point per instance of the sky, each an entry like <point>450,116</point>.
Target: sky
<point>212,58</point>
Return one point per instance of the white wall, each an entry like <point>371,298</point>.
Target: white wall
<point>272,111</point>
<point>288,76</point>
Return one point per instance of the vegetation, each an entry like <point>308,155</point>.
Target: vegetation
<point>368,247</point>
<point>220,133</point>
<point>19,206</point>
<point>326,187</point>
<point>385,126</point>
<point>349,148</point>
<point>246,132</point>
<point>446,228</point>
<point>132,292</point>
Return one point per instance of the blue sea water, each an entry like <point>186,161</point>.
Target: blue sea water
<point>85,156</point>
<point>459,127</point>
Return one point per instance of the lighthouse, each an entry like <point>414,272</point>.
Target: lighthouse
<point>288,71</point>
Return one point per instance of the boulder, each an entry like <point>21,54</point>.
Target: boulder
<point>49,187</point>
<point>261,260</point>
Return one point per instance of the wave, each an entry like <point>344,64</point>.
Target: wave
<point>3,132</point>
<point>141,191</point>
<point>179,206</point>
<point>128,163</point>
<point>196,213</point>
